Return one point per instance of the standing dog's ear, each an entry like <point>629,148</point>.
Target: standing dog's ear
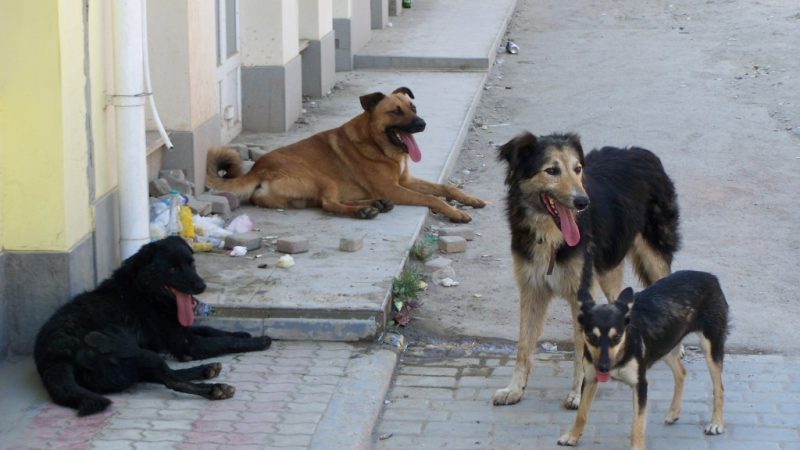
<point>625,303</point>
<point>575,142</point>
<point>404,90</point>
<point>369,101</point>
<point>510,151</point>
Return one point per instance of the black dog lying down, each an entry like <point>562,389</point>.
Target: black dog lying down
<point>106,340</point>
<point>624,338</point>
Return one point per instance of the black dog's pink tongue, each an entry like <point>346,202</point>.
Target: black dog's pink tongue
<point>568,226</point>
<point>411,145</point>
<point>185,308</point>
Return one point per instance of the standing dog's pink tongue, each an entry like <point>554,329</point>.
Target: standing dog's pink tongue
<point>185,308</point>
<point>603,377</point>
<point>411,145</point>
<point>568,226</point>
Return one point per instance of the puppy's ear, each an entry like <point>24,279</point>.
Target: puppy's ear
<point>369,101</point>
<point>625,303</point>
<point>510,151</point>
<point>404,90</point>
<point>587,303</point>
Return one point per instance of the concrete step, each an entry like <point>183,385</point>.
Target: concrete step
<point>460,35</point>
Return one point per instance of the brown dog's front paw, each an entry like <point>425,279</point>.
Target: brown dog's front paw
<point>383,205</point>
<point>475,202</point>
<point>212,370</point>
<point>459,216</point>
<point>222,391</point>
<point>368,212</point>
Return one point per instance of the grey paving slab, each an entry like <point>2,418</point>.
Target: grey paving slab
<point>439,35</point>
<point>333,284</point>
<point>459,415</point>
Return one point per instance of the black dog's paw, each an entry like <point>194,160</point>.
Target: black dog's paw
<point>221,391</point>
<point>212,370</point>
<point>92,405</point>
<point>264,342</point>
<point>383,205</point>
<point>241,334</point>
<point>368,212</point>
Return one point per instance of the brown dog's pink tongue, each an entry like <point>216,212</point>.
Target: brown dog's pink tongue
<point>411,145</point>
<point>568,226</point>
<point>185,308</point>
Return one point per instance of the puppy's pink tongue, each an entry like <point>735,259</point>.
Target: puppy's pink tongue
<point>411,145</point>
<point>603,377</point>
<point>185,308</point>
<point>568,226</point>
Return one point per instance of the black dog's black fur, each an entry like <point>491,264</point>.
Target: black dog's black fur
<point>629,191</point>
<point>108,339</point>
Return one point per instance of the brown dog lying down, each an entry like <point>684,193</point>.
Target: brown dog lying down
<point>358,169</point>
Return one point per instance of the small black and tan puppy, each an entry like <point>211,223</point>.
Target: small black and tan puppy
<point>624,338</point>
<point>108,339</point>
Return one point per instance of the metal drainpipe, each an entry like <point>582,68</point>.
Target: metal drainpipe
<point>129,113</point>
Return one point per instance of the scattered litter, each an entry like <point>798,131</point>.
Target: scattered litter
<point>477,295</point>
<point>385,436</point>
<point>386,402</point>
<point>240,224</point>
<point>285,261</point>
<point>257,256</point>
<point>465,172</point>
<point>549,347</point>
<point>511,47</point>
<point>449,282</point>
<point>423,285</point>
<point>201,309</point>
<point>263,266</point>
<point>238,251</point>
<point>202,246</point>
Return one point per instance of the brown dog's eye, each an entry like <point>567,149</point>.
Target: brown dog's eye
<point>398,111</point>
<point>552,171</point>
<point>414,108</point>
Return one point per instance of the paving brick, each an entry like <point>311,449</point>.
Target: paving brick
<point>244,152</point>
<point>465,232</point>
<point>159,187</point>
<point>200,207</point>
<point>293,244</point>
<point>433,371</point>
<point>452,244</point>
<point>351,243</point>
<point>247,165</point>
<point>233,199</point>
<point>219,205</point>
<point>436,264</point>
<point>424,381</point>
<point>251,240</point>
<point>256,152</point>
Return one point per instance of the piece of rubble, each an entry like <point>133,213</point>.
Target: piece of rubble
<point>250,240</point>
<point>293,244</point>
<point>244,152</point>
<point>198,206</point>
<point>256,152</point>
<point>437,264</point>
<point>465,232</point>
<point>159,187</point>
<point>233,199</point>
<point>285,261</point>
<point>448,282</point>
<point>351,243</point>
<point>219,204</point>
<point>452,244</point>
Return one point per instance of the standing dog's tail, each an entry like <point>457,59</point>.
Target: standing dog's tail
<point>59,380</point>
<point>224,171</point>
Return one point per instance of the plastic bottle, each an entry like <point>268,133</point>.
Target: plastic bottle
<point>173,224</point>
<point>406,3</point>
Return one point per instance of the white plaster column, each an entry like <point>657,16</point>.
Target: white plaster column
<point>318,47</point>
<point>352,21</point>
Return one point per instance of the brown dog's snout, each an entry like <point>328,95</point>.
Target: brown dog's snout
<point>417,125</point>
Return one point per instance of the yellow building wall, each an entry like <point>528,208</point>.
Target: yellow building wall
<point>43,133</point>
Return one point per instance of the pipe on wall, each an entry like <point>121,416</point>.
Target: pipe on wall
<point>129,100</point>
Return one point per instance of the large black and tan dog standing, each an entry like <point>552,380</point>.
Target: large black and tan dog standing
<point>108,339</point>
<point>625,338</point>
<point>357,170</point>
<point>573,221</point>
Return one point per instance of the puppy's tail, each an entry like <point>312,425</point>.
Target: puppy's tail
<point>59,380</point>
<point>224,171</point>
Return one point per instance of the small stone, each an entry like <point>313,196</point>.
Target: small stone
<point>437,264</point>
<point>159,187</point>
<point>293,244</point>
<point>452,244</point>
<point>351,243</point>
<point>449,282</point>
<point>465,232</point>
<point>250,240</point>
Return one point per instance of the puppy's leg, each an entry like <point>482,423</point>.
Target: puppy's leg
<point>573,398</point>
<point>442,190</point>
<point>673,360</point>
<point>715,369</point>
<point>533,303</point>
<point>639,412</point>
<point>588,392</point>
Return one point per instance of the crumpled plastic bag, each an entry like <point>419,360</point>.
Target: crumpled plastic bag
<point>240,224</point>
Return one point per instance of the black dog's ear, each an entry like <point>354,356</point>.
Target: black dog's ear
<point>404,90</point>
<point>141,257</point>
<point>369,101</point>
<point>510,151</point>
<point>625,303</point>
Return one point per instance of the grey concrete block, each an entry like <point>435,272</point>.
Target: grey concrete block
<point>244,152</point>
<point>247,165</point>
<point>465,232</point>
<point>256,152</point>
<point>159,187</point>
<point>233,199</point>
<point>319,66</point>
<point>174,174</point>
<point>219,205</point>
<point>437,264</point>
<point>200,207</point>
<point>351,243</point>
<point>452,244</point>
<point>293,244</point>
<point>251,240</point>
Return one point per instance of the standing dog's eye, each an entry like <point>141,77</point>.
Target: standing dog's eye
<point>552,171</point>
<point>578,169</point>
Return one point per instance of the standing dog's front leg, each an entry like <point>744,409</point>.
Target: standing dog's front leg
<point>442,190</point>
<point>587,394</point>
<point>533,302</point>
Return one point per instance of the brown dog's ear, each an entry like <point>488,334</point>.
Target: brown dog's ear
<point>509,152</point>
<point>369,101</point>
<point>404,90</point>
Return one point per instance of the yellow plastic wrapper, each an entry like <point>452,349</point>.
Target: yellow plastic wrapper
<point>187,226</point>
<point>202,246</point>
